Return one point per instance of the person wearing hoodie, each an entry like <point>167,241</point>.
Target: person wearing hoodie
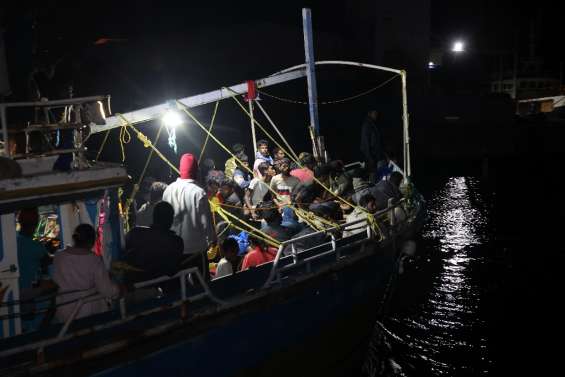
<point>193,218</point>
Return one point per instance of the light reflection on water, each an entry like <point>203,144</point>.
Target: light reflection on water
<point>446,330</point>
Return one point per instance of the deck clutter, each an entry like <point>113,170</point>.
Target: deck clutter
<point>95,281</point>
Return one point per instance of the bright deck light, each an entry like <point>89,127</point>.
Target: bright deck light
<point>458,46</point>
<point>431,65</point>
<point>172,119</point>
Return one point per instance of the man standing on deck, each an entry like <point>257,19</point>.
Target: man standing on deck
<point>193,219</point>
<point>371,143</point>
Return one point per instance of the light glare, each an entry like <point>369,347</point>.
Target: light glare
<point>458,46</point>
<point>172,119</point>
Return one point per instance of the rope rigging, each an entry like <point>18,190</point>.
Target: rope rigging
<point>311,219</point>
<point>330,102</point>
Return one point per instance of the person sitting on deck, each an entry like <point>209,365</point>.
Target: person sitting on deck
<point>367,203</point>
<point>327,210</point>
<point>340,182</point>
<point>154,251</point>
<point>389,189</point>
<point>258,253</point>
<point>283,183</point>
<point>361,185</point>
<point>144,216</point>
<point>262,155</point>
<point>306,173</point>
<point>228,263</point>
<point>231,164</point>
<point>230,198</point>
<point>208,172</point>
<point>77,272</point>
<point>272,227</point>
<point>258,189</point>
<point>241,175</point>
<point>193,218</point>
<point>278,154</point>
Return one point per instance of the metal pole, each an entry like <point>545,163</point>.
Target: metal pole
<point>407,168</point>
<point>252,125</point>
<point>277,130</point>
<point>560,77</point>
<point>515,76</point>
<point>310,69</point>
<point>4,130</point>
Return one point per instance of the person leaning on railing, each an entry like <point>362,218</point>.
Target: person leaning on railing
<point>78,272</point>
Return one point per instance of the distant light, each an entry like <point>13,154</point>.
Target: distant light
<point>431,65</point>
<point>458,46</point>
<point>172,119</point>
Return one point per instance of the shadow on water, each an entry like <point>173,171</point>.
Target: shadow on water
<point>479,299</point>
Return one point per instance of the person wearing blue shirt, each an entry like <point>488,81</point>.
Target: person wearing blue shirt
<point>30,252</point>
<point>30,257</point>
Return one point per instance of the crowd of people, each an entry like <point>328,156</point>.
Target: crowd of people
<point>179,227</point>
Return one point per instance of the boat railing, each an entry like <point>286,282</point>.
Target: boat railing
<point>71,106</point>
<point>369,234</point>
<point>183,276</point>
<point>188,274</point>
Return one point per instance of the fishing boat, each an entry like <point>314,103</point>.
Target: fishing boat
<point>308,312</point>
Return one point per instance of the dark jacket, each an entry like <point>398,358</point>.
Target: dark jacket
<point>155,251</point>
<point>383,191</point>
<point>371,141</point>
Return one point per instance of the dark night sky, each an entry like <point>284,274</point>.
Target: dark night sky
<point>175,49</point>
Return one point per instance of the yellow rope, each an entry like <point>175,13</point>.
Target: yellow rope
<point>209,130</point>
<point>251,229</point>
<point>102,146</point>
<point>125,136</point>
<point>146,142</point>
<point>300,165</point>
<point>129,201</point>
<point>185,109</point>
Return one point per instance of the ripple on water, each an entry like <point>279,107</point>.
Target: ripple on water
<point>446,330</point>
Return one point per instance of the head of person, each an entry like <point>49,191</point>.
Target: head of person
<point>263,147</point>
<point>396,178</point>
<point>360,173</point>
<point>188,166</point>
<point>163,215</point>
<point>269,212</point>
<point>156,191</point>
<point>28,219</point>
<point>238,149</point>
<point>226,188</point>
<point>271,171</point>
<point>368,202</point>
<point>373,114</point>
<point>327,210</point>
<point>336,166</point>
<point>212,187</point>
<point>307,160</point>
<point>255,242</point>
<point>230,248</point>
<point>322,172</point>
<point>278,153</point>
<point>263,169</point>
<point>84,237</point>
<point>243,163</point>
<point>283,166</point>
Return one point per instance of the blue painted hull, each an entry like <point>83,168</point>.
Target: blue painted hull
<point>316,321</point>
<point>320,327</point>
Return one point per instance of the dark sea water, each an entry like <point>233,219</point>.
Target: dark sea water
<point>484,295</point>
